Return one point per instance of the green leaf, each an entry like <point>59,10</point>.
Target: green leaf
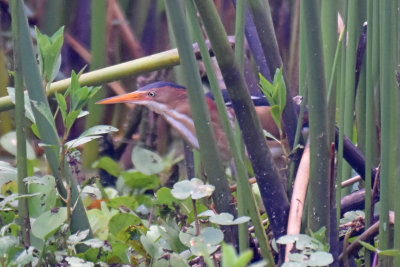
<point>27,103</point>
<point>368,246</point>
<point>7,242</point>
<point>128,201</point>
<point>276,115</point>
<point>390,252</point>
<point>81,140</point>
<point>109,165</point>
<point>50,53</point>
<point>47,197</point>
<point>71,118</point>
<point>225,218</point>
<point>99,220</point>
<point>62,104</point>
<point>195,188</point>
<point>177,261</point>
<point>49,222</point>
<point>147,161</point>
<point>77,237</point>
<point>45,111</point>
<point>122,220</point>
<point>152,248</point>
<point>293,264</point>
<point>164,196</point>
<point>35,130</point>
<point>287,239</point>
<point>298,257</point>
<point>267,88</point>
<point>230,258</point>
<point>170,232</point>
<point>320,258</point>
<point>139,180</point>
<point>98,129</point>
<point>24,257</point>
<point>9,143</point>
<point>271,136</point>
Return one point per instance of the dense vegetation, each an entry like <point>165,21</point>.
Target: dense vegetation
<point>92,185</point>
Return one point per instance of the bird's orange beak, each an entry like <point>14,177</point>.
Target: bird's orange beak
<point>125,98</point>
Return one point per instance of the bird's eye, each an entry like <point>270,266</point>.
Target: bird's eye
<point>151,93</point>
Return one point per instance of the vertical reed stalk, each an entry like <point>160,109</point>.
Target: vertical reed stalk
<point>397,181</point>
<point>369,124</point>
<point>208,149</point>
<point>349,83</point>
<point>239,33</point>
<point>240,58</point>
<point>318,214</point>
<point>329,10</point>
<point>98,45</point>
<point>23,207</point>
<point>387,92</point>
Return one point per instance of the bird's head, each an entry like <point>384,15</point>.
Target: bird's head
<point>154,96</point>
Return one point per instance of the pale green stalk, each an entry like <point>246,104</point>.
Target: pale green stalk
<point>23,206</point>
<point>386,82</point>
<point>98,47</point>
<point>319,207</point>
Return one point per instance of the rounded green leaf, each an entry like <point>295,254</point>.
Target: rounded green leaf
<point>9,143</point>
<point>164,196</point>
<point>212,236</point>
<point>293,264</point>
<point>7,242</point>
<point>139,180</point>
<point>122,220</point>
<point>320,258</point>
<point>182,189</point>
<point>109,165</point>
<point>49,222</point>
<point>227,219</point>
<point>287,239</point>
<point>195,188</point>
<point>147,161</point>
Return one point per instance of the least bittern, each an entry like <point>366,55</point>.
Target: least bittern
<point>171,102</point>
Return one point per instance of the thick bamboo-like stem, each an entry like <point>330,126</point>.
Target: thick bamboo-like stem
<point>246,197</point>
<point>272,192</point>
<point>318,212</point>
<point>23,206</point>
<point>208,149</point>
<point>138,66</point>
